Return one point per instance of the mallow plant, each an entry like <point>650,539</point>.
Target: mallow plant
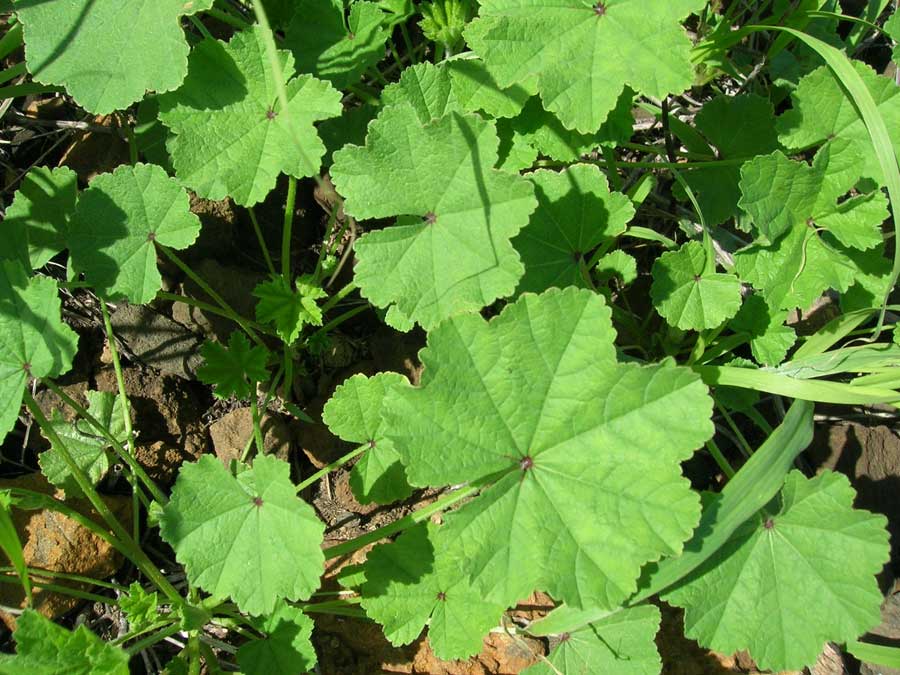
<point>606,216</point>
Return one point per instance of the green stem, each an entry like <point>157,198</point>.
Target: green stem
<point>409,521</point>
<point>151,640</point>
<point>288,360</point>
<point>65,576</point>
<point>717,455</point>
<point>334,323</point>
<point>609,156</point>
<point>125,543</point>
<point>57,588</point>
<point>11,41</point>
<point>205,287</point>
<point>27,89</point>
<point>262,241</point>
<point>286,230</point>
<point>742,440</point>
<point>363,95</point>
<point>12,72</point>
<point>120,451</point>
<point>269,394</point>
<point>257,430</point>
<point>193,651</point>
<point>198,24</point>
<point>326,250</point>
<point>337,297</point>
<point>212,309</point>
<point>225,17</point>
<point>126,410</point>
<point>408,42</point>
<point>331,467</point>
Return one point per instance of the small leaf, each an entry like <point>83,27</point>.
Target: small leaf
<point>34,342</point>
<point>622,643</point>
<point>36,226</point>
<point>44,648</point>
<point>286,649</point>
<point>689,297</point>
<point>325,46</point>
<point>814,551</point>
<point>770,339</point>
<point>354,414</point>
<point>249,538</point>
<point>95,50</point>
<point>467,216</point>
<point>140,607</point>
<point>118,221</point>
<point>576,213</point>
<point>412,580</point>
<point>85,444</point>
<point>477,91</point>
<point>233,371</point>
<point>231,136</point>
<point>288,309</point>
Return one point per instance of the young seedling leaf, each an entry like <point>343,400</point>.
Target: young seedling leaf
<point>324,45</point>
<point>36,226</point>
<point>583,53</point>
<point>289,309</point>
<point>286,648</point>
<point>140,607</point>
<point>107,54</point>
<point>231,136</point>
<point>622,643</point>
<point>85,444</point>
<point>233,370</point>
<point>249,538</point>
<point>415,581</point>
<point>450,250</point>
<point>583,453</point>
<point>689,294</point>
<point>118,222</point>
<point>616,264</point>
<point>34,342</point>
<point>823,113</point>
<point>354,414</point>
<point>757,591</point>
<point>576,212</point>
<point>46,648</point>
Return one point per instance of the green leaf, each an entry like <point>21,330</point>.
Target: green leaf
<point>476,91</point>
<point>34,342</point>
<point>616,264</point>
<point>233,370</point>
<point>289,309</point>
<point>778,193</point>
<point>751,488</point>
<point>231,136</point>
<point>822,114</point>
<point>453,205</point>
<point>576,212</point>
<point>812,550</point>
<point>892,28</point>
<point>286,649</point>
<point>140,607</point>
<point>107,55</point>
<point>689,293</point>
<point>325,46</point>
<point>443,21</point>
<point>118,221</point>
<point>585,54</point>
<point>36,226</point>
<point>85,444</point>
<point>249,538</point>
<point>354,414</point>
<point>622,643</point>
<point>427,88</point>
<point>770,339</point>
<point>738,127</point>
<point>535,401</point>
<point>43,648</point>
<point>413,581</point>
